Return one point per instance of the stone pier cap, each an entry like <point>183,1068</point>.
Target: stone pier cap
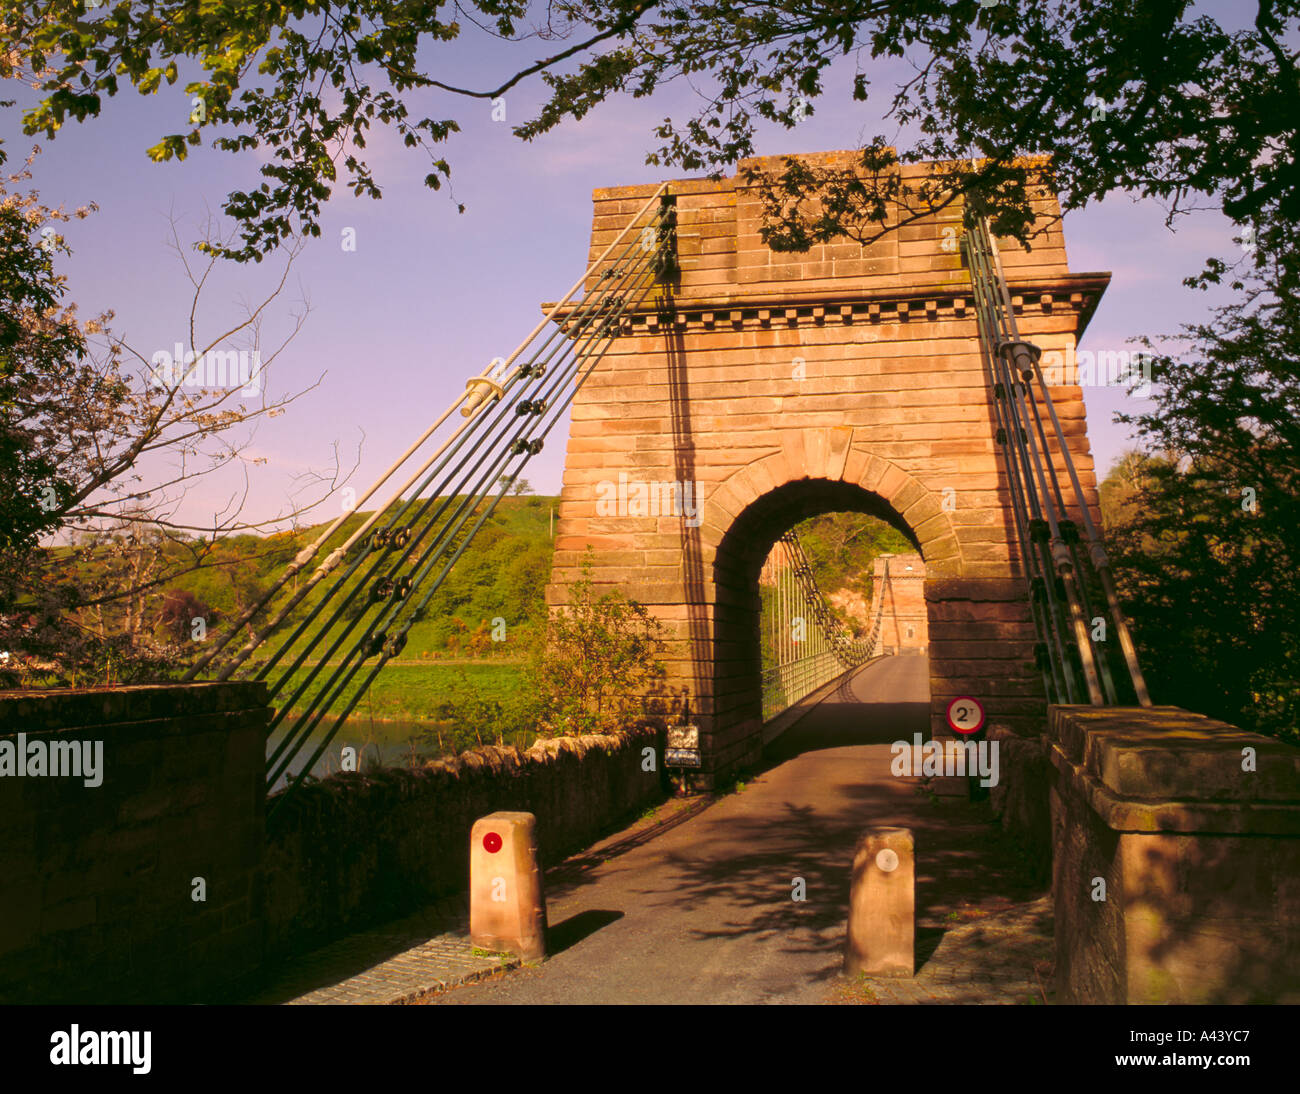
<point>1165,769</point>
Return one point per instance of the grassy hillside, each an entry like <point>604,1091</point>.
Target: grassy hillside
<point>501,575</point>
<point>417,691</point>
<point>450,654</point>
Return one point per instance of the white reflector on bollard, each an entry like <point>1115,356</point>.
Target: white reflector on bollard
<point>882,905</point>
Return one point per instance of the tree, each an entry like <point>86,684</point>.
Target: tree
<point>1155,98</point>
<point>598,663</point>
<point>38,342</point>
<point>1204,525</point>
<point>842,548</point>
<point>1120,491</point>
<point>1082,97</point>
<point>179,611</point>
<point>99,442</point>
<point>515,485</point>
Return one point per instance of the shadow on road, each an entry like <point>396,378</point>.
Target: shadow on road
<point>840,724</point>
<point>577,927</point>
<point>823,782</point>
<point>746,899</point>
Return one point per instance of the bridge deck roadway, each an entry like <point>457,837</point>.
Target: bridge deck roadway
<point>702,913</point>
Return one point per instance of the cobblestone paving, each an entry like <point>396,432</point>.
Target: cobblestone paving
<point>1003,958</point>
<point>412,959</point>
<point>401,962</point>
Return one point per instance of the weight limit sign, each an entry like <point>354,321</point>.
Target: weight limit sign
<point>965,715</point>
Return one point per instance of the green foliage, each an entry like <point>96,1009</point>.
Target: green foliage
<point>843,548</point>
<point>40,344</point>
<point>590,676</point>
<point>72,620</point>
<point>466,716</point>
<point>78,415</point>
<point>179,611</point>
<point>598,664</point>
<point>1088,97</point>
<point>1204,526</point>
<point>265,68</point>
<point>502,575</point>
<point>430,691</point>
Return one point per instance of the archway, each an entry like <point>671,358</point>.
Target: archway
<point>730,689</point>
<point>739,560</point>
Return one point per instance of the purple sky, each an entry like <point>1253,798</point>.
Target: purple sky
<point>429,296</point>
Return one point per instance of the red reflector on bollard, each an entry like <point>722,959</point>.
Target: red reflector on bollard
<point>507,905</point>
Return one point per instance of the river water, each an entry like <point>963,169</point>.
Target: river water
<point>377,744</point>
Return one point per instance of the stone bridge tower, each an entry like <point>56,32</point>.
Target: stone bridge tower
<point>781,386</point>
<point>898,593</point>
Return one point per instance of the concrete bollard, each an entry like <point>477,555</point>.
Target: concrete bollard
<point>882,905</point>
<point>507,906</point>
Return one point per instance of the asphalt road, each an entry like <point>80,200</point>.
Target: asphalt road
<point>702,913</point>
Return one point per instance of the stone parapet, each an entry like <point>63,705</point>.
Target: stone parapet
<point>1177,868</point>
<point>144,887</point>
<point>356,849</point>
<point>161,879</point>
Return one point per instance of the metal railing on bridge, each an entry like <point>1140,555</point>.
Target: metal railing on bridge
<point>342,624</point>
<point>804,645</point>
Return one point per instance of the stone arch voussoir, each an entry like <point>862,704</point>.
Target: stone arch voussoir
<point>830,454</point>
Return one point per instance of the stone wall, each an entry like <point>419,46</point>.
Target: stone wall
<point>1021,800</point>
<point>357,849</point>
<point>97,882</point>
<point>1194,828</point>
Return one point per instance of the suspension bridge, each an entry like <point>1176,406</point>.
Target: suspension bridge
<point>646,327</point>
<point>903,378</point>
<point>807,646</point>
